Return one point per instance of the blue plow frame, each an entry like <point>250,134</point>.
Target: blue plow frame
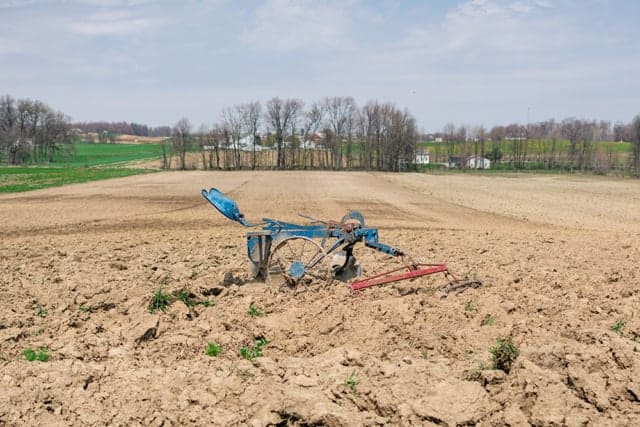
<point>344,234</point>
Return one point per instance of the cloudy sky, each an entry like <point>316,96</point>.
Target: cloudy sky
<point>478,62</point>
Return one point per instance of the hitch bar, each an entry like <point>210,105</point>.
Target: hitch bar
<point>415,270</point>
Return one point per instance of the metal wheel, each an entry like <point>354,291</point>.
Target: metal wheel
<point>299,260</point>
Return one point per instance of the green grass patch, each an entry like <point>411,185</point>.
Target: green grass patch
<point>103,154</point>
<point>16,179</point>
<point>534,146</point>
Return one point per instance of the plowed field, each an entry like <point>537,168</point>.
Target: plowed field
<point>559,258</point>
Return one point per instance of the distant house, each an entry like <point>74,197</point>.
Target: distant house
<point>246,144</point>
<point>315,141</point>
<point>26,141</point>
<point>478,162</point>
<point>422,158</point>
<point>470,162</point>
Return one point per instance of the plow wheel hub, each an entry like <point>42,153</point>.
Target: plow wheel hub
<point>296,270</point>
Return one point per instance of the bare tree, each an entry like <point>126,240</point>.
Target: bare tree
<point>312,121</point>
<point>181,140</point>
<point>340,111</point>
<point>587,131</point>
<point>479,149</point>
<point>203,142</point>
<point>232,118</point>
<point>572,129</point>
<point>635,139</point>
<point>214,137</point>
<point>620,132</point>
<point>449,135</point>
<point>250,115</point>
<point>279,115</point>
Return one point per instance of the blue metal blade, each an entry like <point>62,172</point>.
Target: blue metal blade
<point>225,205</point>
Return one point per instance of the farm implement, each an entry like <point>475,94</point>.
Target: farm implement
<point>322,250</point>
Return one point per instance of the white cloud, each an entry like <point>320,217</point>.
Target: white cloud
<point>500,26</point>
<point>113,23</point>
<point>497,30</point>
<point>285,25</point>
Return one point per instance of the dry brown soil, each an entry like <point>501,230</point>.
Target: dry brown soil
<point>558,256</point>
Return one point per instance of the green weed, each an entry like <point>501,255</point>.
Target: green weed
<point>40,311</point>
<point>352,381</point>
<point>618,326</point>
<point>503,354</point>
<point>213,349</point>
<point>255,351</point>
<point>159,301</point>
<point>85,309</point>
<point>255,311</point>
<point>41,355</point>
<point>488,320</point>
<point>468,306</point>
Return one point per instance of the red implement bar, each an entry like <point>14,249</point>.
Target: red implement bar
<point>415,270</point>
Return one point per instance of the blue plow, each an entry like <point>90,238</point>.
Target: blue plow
<point>317,252</point>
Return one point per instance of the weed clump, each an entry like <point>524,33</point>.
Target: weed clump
<point>255,351</point>
<point>42,355</point>
<point>159,301</point>
<point>255,311</point>
<point>503,354</point>
<point>213,349</point>
<point>352,381</point>
<point>40,311</point>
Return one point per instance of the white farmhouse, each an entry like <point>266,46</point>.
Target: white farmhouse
<point>477,162</point>
<point>422,158</point>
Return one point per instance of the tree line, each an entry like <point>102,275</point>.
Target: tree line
<point>333,133</point>
<point>105,130</point>
<point>568,144</point>
<point>32,131</point>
